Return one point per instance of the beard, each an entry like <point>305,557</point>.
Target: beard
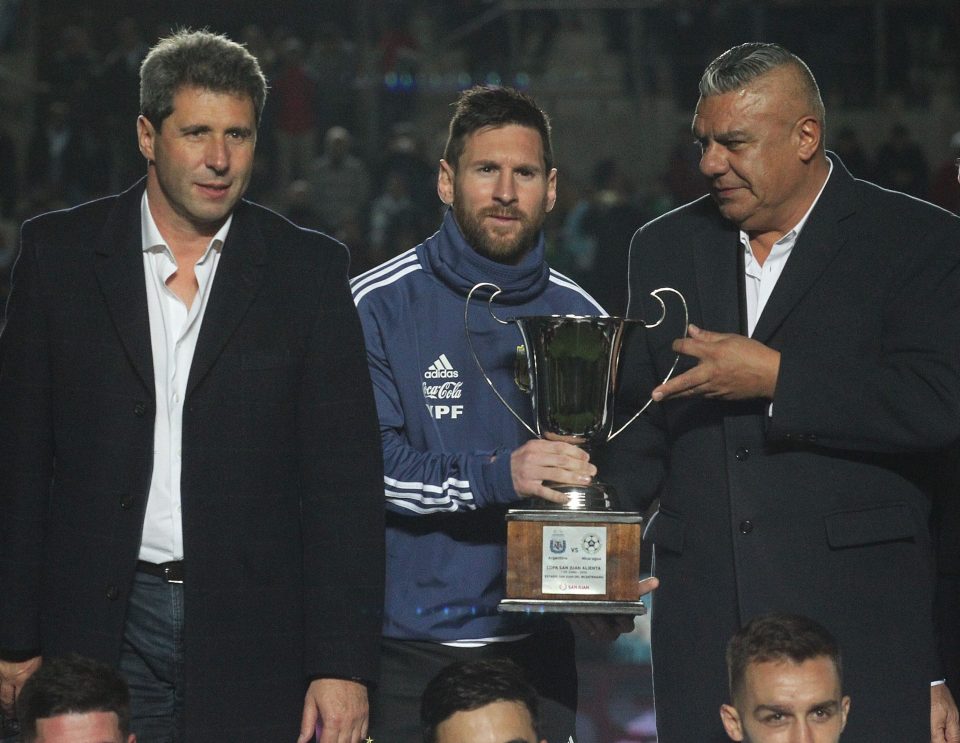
<point>507,249</point>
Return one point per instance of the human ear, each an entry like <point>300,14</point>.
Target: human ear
<point>445,189</point>
<point>731,722</point>
<point>809,133</point>
<point>146,136</point>
<point>551,189</point>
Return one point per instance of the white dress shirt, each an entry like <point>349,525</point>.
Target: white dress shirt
<point>173,337</point>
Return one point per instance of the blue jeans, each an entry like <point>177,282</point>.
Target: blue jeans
<point>152,659</point>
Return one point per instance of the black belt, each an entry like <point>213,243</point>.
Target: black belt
<point>168,572</point>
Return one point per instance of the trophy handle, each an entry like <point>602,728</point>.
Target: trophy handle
<point>663,315</point>
<point>466,329</point>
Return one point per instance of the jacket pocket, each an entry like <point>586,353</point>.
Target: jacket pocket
<point>870,526</point>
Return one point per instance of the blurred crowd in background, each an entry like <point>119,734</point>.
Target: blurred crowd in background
<point>348,145</point>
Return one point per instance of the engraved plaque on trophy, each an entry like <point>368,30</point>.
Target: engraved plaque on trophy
<point>582,556</point>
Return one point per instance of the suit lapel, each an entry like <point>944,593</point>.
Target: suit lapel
<point>239,275</point>
<point>822,237</point>
<point>715,251</point>
<point>118,264</point>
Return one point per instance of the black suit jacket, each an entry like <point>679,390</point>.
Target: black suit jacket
<point>822,507</point>
<point>281,465</point>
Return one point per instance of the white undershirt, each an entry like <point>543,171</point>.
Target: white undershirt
<point>173,337</point>
<point>760,280</point>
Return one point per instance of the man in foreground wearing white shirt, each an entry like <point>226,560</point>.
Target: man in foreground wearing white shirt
<point>189,456</point>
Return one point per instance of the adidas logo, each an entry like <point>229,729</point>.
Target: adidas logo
<point>441,369</point>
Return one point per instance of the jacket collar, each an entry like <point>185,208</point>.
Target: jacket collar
<point>239,276</point>
<point>717,264</point>
<point>119,270</point>
<point>822,238</point>
<point>450,258</point>
<point>118,264</point>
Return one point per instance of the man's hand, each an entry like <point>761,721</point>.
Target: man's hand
<point>340,707</point>
<point>944,718</point>
<point>12,678</point>
<point>731,367</point>
<point>608,627</point>
<point>555,461</point>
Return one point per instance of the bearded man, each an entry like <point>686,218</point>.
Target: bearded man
<point>455,458</point>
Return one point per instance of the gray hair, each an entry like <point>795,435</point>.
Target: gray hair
<point>199,59</point>
<point>743,64</point>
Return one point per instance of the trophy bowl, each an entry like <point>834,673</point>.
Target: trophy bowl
<point>574,365</point>
<point>572,374</point>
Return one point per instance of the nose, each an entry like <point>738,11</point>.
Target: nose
<point>217,155</point>
<point>713,161</point>
<point>803,734</point>
<point>506,190</point>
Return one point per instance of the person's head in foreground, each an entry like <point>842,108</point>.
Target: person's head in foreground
<point>75,700</point>
<point>485,701</point>
<point>786,682</point>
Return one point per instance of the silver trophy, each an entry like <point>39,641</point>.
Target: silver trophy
<point>583,556</point>
<point>573,367</point>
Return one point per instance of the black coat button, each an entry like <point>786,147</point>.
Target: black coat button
<point>746,526</point>
<point>126,502</point>
<point>113,593</point>
<point>742,454</point>
<point>140,409</point>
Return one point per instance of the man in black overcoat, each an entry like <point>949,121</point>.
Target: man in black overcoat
<point>190,468</point>
<point>795,451</point>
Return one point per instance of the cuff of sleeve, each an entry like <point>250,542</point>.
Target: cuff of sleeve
<point>498,479</point>
<point>939,682</point>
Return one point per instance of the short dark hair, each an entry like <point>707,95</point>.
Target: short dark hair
<point>72,685</point>
<point>777,637</point>
<point>468,685</point>
<point>744,63</point>
<point>490,106</point>
<point>199,59</point>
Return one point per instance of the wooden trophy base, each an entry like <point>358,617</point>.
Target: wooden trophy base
<point>576,562</point>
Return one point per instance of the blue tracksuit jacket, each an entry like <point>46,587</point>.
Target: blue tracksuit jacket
<point>446,438</point>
